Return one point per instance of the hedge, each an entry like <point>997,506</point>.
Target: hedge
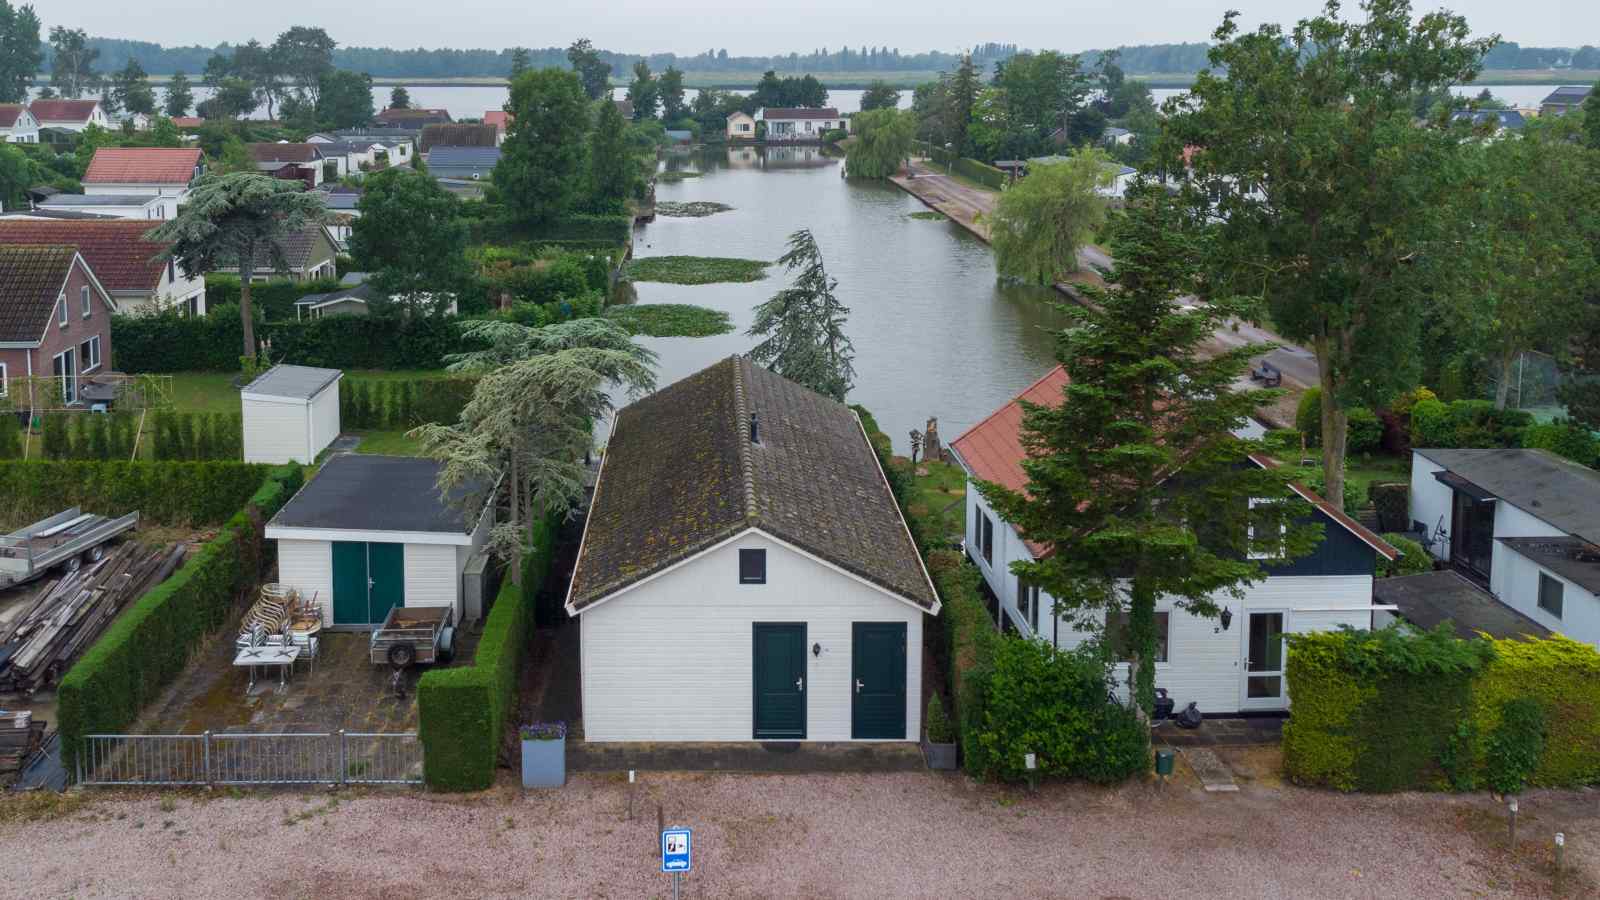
<point>462,711</point>
<point>968,642</point>
<point>275,299</point>
<point>396,404</point>
<point>197,436</point>
<point>498,229</point>
<point>167,493</point>
<point>1466,423</point>
<point>171,343</point>
<point>983,173</point>
<point>1388,711</point>
<point>150,643</point>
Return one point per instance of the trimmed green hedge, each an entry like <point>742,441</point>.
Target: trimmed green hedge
<point>462,711</point>
<point>274,298</point>
<point>395,403</point>
<point>74,435</point>
<point>167,493</point>
<point>1388,711</point>
<point>150,643</point>
<point>983,173</point>
<point>172,343</point>
<point>969,642</point>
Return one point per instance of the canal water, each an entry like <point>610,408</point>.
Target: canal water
<point>935,335</point>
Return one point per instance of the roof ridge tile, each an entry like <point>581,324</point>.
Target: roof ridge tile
<point>741,412</point>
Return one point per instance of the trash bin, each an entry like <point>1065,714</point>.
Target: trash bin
<point>1164,762</point>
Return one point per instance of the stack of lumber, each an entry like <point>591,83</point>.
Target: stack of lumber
<point>68,614</point>
<point>20,735</point>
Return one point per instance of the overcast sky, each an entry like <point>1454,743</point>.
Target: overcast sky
<point>691,26</point>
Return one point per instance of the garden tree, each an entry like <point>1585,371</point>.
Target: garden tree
<point>233,97</point>
<point>46,93</point>
<point>670,89</point>
<point>802,326</point>
<point>810,93</point>
<point>233,156</point>
<point>163,133</point>
<point>928,102</point>
<point>1040,222</point>
<point>20,56</point>
<point>72,62</point>
<point>237,219</point>
<point>519,62</point>
<point>643,92</point>
<point>304,55</point>
<point>541,167</point>
<point>399,98</point>
<point>1524,265</point>
<point>595,75</point>
<point>613,170</point>
<point>1323,186</point>
<point>132,90</point>
<point>412,239</point>
<point>180,97</point>
<point>344,99</point>
<point>1136,482</point>
<point>17,173</point>
<point>961,95</point>
<point>1591,118</point>
<point>258,65</point>
<point>879,95</point>
<point>1579,393</point>
<point>530,419</point>
<point>1041,92</point>
<point>881,142</point>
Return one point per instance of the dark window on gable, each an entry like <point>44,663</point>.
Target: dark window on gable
<point>1550,594</point>
<point>752,567</point>
<point>988,540</point>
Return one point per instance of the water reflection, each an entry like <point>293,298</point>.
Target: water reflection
<point>935,335</point>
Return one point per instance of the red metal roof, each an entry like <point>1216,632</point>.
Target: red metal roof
<point>992,449</point>
<point>115,249</point>
<point>142,165</point>
<point>62,110</point>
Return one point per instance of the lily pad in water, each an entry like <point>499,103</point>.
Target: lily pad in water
<point>696,209</point>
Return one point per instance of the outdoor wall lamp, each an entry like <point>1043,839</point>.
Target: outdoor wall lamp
<point>1227,618</point>
<point>816,649</point>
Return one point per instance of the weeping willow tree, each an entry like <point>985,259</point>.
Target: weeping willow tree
<point>803,325</point>
<point>880,142</point>
<point>531,416</point>
<point>1041,221</point>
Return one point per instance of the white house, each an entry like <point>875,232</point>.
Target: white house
<point>1525,524</point>
<point>17,125</point>
<point>142,172</point>
<point>799,123</point>
<point>741,126</point>
<point>290,161</point>
<point>69,115</point>
<point>745,573</point>
<point>369,533</point>
<point>151,208</point>
<point>1235,664</point>
<point>1117,137</point>
<point>291,414</point>
<point>128,265</point>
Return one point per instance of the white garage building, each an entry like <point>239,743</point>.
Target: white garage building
<point>745,573</point>
<point>291,414</point>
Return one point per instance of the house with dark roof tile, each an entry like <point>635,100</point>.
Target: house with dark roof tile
<point>55,322</point>
<point>128,265</point>
<point>308,255</point>
<point>1564,99</point>
<point>800,123</point>
<point>1231,665</point>
<point>17,124</point>
<point>69,115</point>
<point>292,161</point>
<point>745,573</point>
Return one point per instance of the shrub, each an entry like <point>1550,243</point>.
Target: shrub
<point>1308,416</point>
<point>1478,424</point>
<point>1352,500</point>
<point>937,722</point>
<point>172,343</point>
<point>173,493</point>
<point>151,642</point>
<point>462,711</point>
<point>10,435</point>
<point>198,436</point>
<point>56,444</point>
<point>1413,559</point>
<point>1513,750</point>
<point>1402,404</point>
<point>1564,438</point>
<point>1392,500</point>
<point>399,404</point>
<point>1363,432</point>
<point>1430,425</point>
<point>1052,703</point>
<point>275,298</point>
<point>1563,675</point>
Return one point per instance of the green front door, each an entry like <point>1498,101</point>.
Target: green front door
<point>780,681</point>
<point>878,681</point>
<point>368,581</point>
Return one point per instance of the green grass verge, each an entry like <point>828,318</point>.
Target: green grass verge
<point>936,500</point>
<point>388,443</point>
<point>671,320</point>
<point>928,215</point>
<point>695,269</point>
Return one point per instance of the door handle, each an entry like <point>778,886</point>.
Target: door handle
<point>800,683</point>
<point>859,685</point>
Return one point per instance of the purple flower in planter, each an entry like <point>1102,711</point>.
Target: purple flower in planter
<point>544,731</point>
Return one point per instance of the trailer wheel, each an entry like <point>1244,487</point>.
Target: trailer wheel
<point>74,564</point>
<point>447,646</point>
<point>401,656</point>
<point>96,553</point>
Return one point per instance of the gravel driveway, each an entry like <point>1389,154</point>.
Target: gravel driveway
<point>910,835</point>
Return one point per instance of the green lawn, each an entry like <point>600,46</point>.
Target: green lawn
<point>1363,472</point>
<point>937,499</point>
<point>387,443</point>
<point>213,392</point>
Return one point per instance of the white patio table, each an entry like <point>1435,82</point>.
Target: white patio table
<point>281,657</point>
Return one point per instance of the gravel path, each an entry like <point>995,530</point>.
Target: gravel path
<point>913,835</point>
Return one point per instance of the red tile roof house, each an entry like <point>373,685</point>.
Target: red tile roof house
<point>305,158</point>
<point>17,125</point>
<point>144,172</point>
<point>1223,668</point>
<point>121,257</point>
<point>70,115</point>
<point>501,120</point>
<point>800,124</point>
<point>55,320</point>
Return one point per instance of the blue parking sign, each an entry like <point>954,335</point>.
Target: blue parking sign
<point>675,850</point>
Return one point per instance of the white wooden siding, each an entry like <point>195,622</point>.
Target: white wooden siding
<point>480,535</point>
<point>274,432</point>
<point>1519,592</point>
<point>324,419</point>
<point>1431,503</point>
<point>1518,577</point>
<point>307,566</point>
<point>671,659</point>
<point>432,578</point>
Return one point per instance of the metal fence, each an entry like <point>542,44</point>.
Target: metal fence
<point>250,759</point>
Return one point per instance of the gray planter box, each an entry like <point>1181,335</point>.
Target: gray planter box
<point>939,756</point>
<point>544,763</point>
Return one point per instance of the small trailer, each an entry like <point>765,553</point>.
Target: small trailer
<point>67,539</point>
<point>414,634</point>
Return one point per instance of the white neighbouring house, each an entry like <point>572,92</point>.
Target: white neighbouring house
<point>138,174</point>
<point>69,115</point>
<point>127,264</point>
<point>1224,668</point>
<point>368,533</point>
<point>741,126</point>
<point>291,414</point>
<point>745,573</point>
<point>1523,524</point>
<point>17,125</point>
<point>800,123</point>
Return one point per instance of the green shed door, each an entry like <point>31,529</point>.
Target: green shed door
<point>386,580</point>
<point>878,688</point>
<point>350,583</point>
<point>780,680</point>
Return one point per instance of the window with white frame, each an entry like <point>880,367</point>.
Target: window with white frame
<point>65,315</point>
<point>1028,604</point>
<point>3,374</point>
<point>85,302</point>
<point>1264,534</point>
<point>89,352</point>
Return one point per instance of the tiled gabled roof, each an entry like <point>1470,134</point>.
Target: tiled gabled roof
<point>681,475</point>
<point>115,249</point>
<point>30,284</point>
<point>787,113</point>
<point>63,110</point>
<point>455,135</point>
<point>9,114</point>
<point>284,153</point>
<point>142,165</point>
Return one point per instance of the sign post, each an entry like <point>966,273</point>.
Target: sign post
<point>676,855</point>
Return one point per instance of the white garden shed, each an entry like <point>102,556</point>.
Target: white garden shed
<point>291,414</point>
